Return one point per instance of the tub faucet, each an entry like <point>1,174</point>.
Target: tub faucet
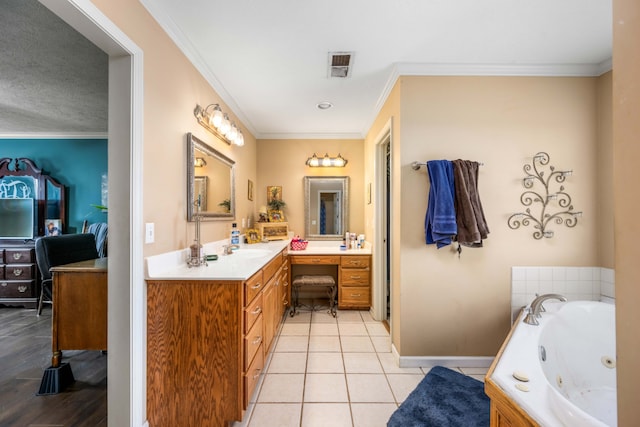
<point>533,312</point>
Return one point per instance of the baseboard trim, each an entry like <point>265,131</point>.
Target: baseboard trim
<point>446,361</point>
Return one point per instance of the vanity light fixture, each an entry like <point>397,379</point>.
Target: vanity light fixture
<point>217,122</point>
<point>326,161</point>
<point>199,162</point>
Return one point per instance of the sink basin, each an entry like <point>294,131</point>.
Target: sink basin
<point>251,253</point>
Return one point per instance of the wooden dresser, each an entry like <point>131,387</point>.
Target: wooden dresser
<point>207,341</point>
<point>19,285</point>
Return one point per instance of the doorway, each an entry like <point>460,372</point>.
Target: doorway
<point>126,363</point>
<point>383,220</point>
<point>329,217</point>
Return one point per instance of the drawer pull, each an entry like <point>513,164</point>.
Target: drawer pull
<point>354,262</point>
<point>356,277</point>
<point>256,286</point>
<point>257,341</point>
<point>257,374</point>
<point>286,268</point>
<point>22,289</point>
<point>356,295</point>
<point>285,302</point>
<point>315,260</point>
<point>257,311</point>
<point>17,272</point>
<point>17,255</point>
<point>3,284</point>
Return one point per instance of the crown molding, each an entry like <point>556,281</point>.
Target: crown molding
<point>54,135</point>
<point>183,43</point>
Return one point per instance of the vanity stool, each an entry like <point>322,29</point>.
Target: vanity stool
<point>314,281</point>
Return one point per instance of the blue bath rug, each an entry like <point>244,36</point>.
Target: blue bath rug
<point>444,398</point>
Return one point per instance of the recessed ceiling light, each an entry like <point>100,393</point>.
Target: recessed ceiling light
<point>324,105</point>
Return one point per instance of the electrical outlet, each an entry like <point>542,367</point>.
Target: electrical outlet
<point>149,232</point>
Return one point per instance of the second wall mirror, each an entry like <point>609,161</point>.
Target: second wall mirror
<point>326,207</point>
<point>210,180</point>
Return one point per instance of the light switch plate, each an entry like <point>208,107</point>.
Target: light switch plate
<point>149,232</point>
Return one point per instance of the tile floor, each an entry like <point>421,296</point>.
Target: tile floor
<point>327,371</point>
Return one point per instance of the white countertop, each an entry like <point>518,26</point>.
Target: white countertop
<point>240,265</point>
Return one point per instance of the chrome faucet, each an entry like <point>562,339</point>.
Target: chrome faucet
<point>534,310</point>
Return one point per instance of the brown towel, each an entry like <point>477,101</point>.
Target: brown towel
<point>472,225</point>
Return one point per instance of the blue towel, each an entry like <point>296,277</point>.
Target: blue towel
<point>440,222</point>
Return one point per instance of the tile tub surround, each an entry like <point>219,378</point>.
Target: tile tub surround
<point>575,283</point>
<point>333,372</point>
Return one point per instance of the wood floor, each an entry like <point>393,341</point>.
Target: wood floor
<point>25,352</point>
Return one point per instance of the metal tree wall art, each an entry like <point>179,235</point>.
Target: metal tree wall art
<point>548,206</point>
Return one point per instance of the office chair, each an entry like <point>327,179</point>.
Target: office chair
<point>53,251</point>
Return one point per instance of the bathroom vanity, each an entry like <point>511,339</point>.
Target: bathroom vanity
<point>210,329</point>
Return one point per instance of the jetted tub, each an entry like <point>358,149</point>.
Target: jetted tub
<point>570,363</point>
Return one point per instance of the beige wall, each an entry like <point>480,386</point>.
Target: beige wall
<point>172,88</point>
<point>282,162</point>
<point>460,306</point>
<point>626,175</point>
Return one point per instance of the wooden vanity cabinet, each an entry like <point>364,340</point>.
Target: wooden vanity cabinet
<point>207,341</point>
<point>195,352</point>
<point>354,284</point>
<point>354,277</point>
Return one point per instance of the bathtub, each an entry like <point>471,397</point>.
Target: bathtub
<point>570,362</point>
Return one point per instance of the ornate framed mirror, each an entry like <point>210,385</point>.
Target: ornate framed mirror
<point>210,181</point>
<point>326,207</point>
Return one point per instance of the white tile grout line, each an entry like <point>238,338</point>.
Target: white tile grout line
<point>251,407</point>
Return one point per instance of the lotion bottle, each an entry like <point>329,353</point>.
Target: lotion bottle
<point>235,236</point>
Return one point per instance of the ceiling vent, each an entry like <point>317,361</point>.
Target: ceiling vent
<point>340,64</point>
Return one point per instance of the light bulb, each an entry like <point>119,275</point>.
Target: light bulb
<point>232,133</point>
<point>326,160</point>
<point>224,125</point>
<point>239,139</point>
<point>216,117</point>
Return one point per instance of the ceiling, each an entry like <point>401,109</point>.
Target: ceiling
<point>52,79</point>
<point>268,60</point>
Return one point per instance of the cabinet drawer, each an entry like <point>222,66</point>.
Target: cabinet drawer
<point>354,277</point>
<point>252,312</point>
<point>312,259</point>
<point>19,272</point>
<point>272,266</point>
<point>355,261</point>
<point>354,297</point>
<point>17,289</point>
<point>252,287</point>
<point>251,376</point>
<point>18,256</point>
<point>253,342</point>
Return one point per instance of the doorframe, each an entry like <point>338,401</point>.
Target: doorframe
<point>379,311</point>
<point>126,359</point>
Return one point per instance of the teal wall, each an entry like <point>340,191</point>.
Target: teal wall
<point>78,164</point>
